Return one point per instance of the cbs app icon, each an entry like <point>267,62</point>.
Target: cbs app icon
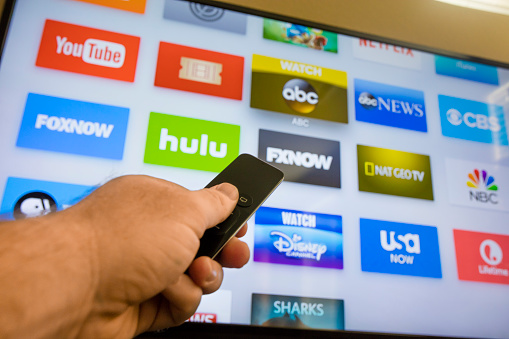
<point>296,88</point>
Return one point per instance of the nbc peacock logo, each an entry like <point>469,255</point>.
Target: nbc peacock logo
<point>484,187</point>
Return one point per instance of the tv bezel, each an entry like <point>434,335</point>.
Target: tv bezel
<point>221,330</point>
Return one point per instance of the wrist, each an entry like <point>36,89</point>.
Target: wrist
<point>49,276</point>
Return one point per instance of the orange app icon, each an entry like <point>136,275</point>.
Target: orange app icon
<point>199,71</point>
<point>137,6</point>
<point>90,51</point>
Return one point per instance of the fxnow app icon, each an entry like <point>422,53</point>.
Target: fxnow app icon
<point>393,172</point>
<point>296,88</point>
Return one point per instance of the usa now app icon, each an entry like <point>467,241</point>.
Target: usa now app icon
<point>86,50</point>
<point>398,248</point>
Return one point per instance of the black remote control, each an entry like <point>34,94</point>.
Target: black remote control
<point>255,180</point>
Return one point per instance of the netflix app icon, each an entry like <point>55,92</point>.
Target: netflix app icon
<point>480,256</point>
<point>90,51</point>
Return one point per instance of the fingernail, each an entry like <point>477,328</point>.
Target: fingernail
<point>212,276</point>
<point>227,189</point>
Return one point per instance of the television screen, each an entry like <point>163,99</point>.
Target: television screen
<point>394,213</point>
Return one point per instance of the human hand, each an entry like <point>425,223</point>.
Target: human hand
<point>147,232</point>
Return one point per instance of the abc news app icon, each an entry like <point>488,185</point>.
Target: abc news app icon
<point>90,51</point>
<point>472,120</point>
<point>296,88</point>
<point>302,159</point>
<point>390,105</point>
<point>482,257</point>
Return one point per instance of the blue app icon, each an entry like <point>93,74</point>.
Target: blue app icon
<point>390,105</point>
<point>24,198</point>
<point>466,70</point>
<point>76,127</point>
<point>299,238</point>
<point>398,248</point>
<point>472,120</point>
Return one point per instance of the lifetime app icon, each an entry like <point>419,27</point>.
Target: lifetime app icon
<point>480,256</point>
<point>200,71</point>
<point>297,88</point>
<point>86,50</point>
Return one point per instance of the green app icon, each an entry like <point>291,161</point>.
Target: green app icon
<point>190,143</point>
<point>394,172</point>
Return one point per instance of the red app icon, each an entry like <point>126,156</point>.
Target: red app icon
<point>203,318</point>
<point>199,71</point>
<point>480,256</point>
<point>90,51</point>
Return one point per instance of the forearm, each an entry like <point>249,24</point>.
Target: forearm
<point>47,277</point>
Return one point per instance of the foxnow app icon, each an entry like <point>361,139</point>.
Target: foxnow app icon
<point>472,120</point>
<point>302,159</point>
<point>297,312</point>
<point>71,126</point>
<point>190,143</point>
<point>394,172</point>
<point>26,198</point>
<point>390,105</point>
<point>399,248</point>
<point>482,257</point>
<point>298,238</point>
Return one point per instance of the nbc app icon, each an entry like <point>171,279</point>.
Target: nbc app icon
<point>476,184</point>
<point>480,256</point>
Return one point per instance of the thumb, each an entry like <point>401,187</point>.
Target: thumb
<point>218,202</point>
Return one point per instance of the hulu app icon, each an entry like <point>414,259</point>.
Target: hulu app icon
<point>393,172</point>
<point>190,143</point>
